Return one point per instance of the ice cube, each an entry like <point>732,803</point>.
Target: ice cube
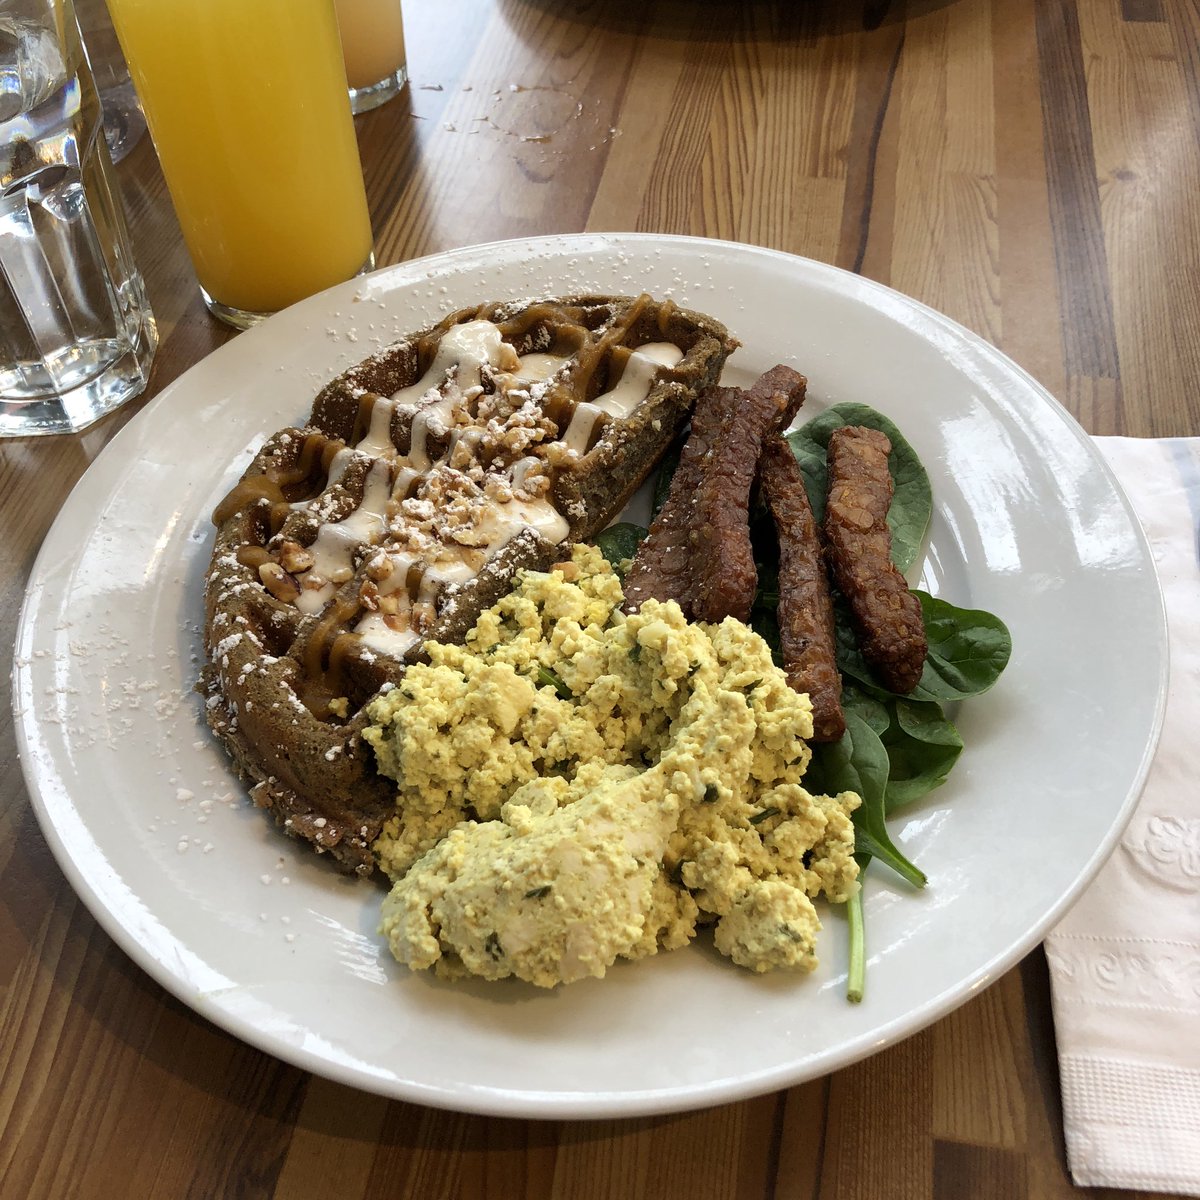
<point>31,65</point>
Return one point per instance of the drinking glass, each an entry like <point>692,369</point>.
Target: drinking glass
<point>76,334</point>
<point>373,49</point>
<point>124,123</point>
<point>246,105</point>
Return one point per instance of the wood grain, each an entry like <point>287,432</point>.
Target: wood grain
<point>1030,167</point>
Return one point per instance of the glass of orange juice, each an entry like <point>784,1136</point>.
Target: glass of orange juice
<point>246,105</point>
<point>373,47</point>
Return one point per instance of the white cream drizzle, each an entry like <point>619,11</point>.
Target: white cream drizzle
<point>536,368</point>
<point>394,632</point>
<point>521,468</point>
<point>637,378</point>
<point>465,348</point>
<point>579,430</point>
<point>336,541</point>
<point>455,374</point>
<point>463,351</point>
<point>502,522</point>
<point>391,633</point>
<point>378,440</point>
<point>405,477</point>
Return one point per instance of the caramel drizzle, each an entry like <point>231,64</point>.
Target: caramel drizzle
<point>247,492</point>
<point>330,643</point>
<point>560,401</point>
<point>412,580</point>
<point>277,484</point>
<point>570,337</point>
<point>323,662</point>
<point>254,556</point>
<point>362,417</point>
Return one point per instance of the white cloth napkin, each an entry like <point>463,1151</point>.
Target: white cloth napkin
<point>1125,961</point>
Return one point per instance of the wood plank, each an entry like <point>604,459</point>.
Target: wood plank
<point>802,1132</point>
<point>978,1172</point>
<point>865,237</point>
<point>878,1140</point>
<point>977,1059</point>
<point>1029,316</point>
<point>636,148</point>
<point>1141,10</point>
<point>1089,338</point>
<point>944,241</point>
<point>1148,166</point>
<point>332,1149</point>
<point>677,197</point>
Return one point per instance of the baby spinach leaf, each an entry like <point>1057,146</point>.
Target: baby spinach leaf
<point>870,708</point>
<point>859,763</point>
<point>867,843</point>
<point>810,454</point>
<point>619,542</point>
<point>849,658</point>
<point>836,767</point>
<point>912,504</point>
<point>922,746</point>
<point>968,648</point>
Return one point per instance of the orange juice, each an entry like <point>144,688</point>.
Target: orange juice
<point>372,39</point>
<point>246,102</point>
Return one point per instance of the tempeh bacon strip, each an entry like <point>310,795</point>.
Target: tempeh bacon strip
<point>885,614</point>
<point>805,611</point>
<point>698,552</point>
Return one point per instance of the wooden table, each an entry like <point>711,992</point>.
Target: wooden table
<point>1030,167</point>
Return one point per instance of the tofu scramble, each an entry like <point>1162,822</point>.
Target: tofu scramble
<point>577,785</point>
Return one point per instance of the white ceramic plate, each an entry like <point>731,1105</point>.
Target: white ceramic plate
<point>256,933</point>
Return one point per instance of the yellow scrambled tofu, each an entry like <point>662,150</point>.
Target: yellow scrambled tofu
<point>576,785</point>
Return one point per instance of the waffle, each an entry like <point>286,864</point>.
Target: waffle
<point>425,479</point>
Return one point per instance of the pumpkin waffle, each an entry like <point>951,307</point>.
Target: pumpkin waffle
<point>425,478</point>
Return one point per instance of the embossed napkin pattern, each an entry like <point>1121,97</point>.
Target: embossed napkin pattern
<point>1125,962</point>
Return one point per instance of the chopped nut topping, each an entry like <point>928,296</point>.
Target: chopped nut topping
<point>368,594</point>
<point>278,582</point>
<point>294,558</point>
<point>378,567</point>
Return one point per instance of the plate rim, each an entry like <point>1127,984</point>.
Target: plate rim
<point>536,1103</point>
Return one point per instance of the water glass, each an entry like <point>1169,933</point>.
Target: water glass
<point>76,334</point>
<point>124,123</point>
<point>246,106</point>
<point>373,49</point>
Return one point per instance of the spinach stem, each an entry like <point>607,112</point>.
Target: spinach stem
<point>548,678</point>
<point>868,845</point>
<point>856,979</point>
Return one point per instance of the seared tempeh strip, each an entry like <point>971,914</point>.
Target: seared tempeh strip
<point>662,566</point>
<point>724,577</point>
<point>805,612</point>
<point>698,552</point>
<point>886,615</point>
